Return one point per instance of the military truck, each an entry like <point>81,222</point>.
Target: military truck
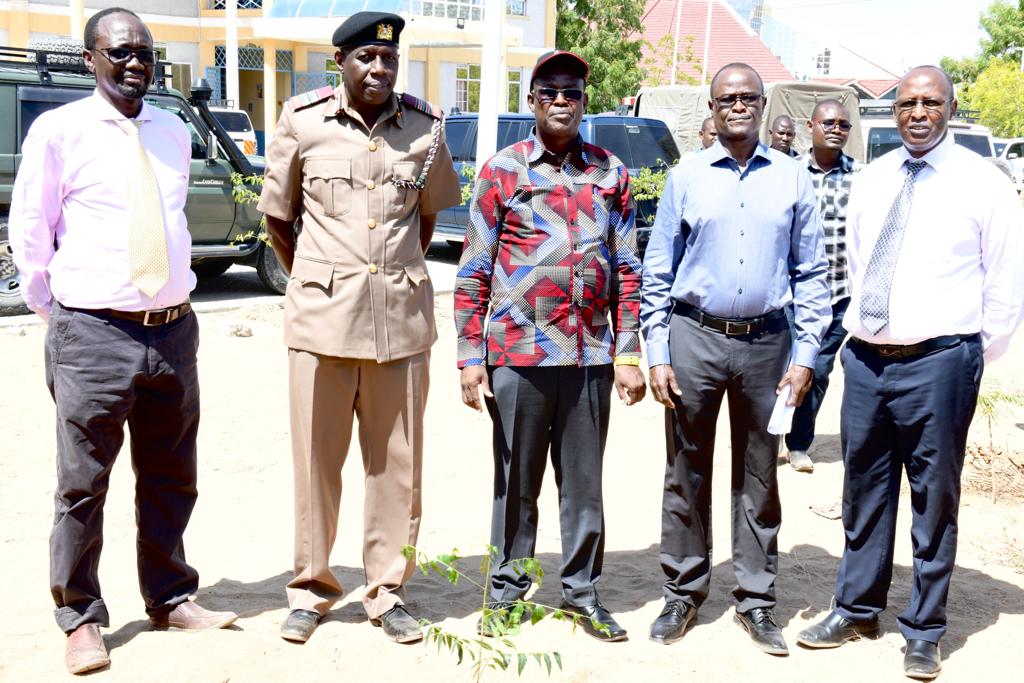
<point>224,232</point>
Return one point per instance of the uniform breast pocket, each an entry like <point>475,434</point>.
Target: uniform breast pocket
<point>329,182</point>
<point>403,173</point>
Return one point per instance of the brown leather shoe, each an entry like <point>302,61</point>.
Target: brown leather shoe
<point>188,616</point>
<point>85,650</point>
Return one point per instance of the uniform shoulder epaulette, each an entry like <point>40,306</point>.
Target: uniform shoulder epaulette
<point>303,100</point>
<point>422,105</point>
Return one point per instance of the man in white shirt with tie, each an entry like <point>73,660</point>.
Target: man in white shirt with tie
<point>934,240</point>
<point>98,231</point>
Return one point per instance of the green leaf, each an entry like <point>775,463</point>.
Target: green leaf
<point>537,614</point>
<point>522,663</point>
<point>558,659</point>
<point>547,662</point>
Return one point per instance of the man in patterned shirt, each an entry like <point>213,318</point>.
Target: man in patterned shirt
<point>550,251</point>
<point>832,173</point>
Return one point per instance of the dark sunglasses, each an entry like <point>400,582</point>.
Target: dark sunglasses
<point>749,99</point>
<point>832,124</point>
<point>547,95</point>
<point>122,55</point>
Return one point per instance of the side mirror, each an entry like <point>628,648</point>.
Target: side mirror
<point>212,149</point>
<point>1012,155</point>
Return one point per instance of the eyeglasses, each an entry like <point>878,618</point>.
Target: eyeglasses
<point>911,105</point>
<point>547,95</point>
<point>749,99</point>
<point>122,55</point>
<point>832,124</point>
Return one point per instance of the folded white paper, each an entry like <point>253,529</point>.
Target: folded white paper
<point>782,414</point>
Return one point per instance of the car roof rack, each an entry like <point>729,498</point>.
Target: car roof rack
<point>883,108</point>
<point>48,62</point>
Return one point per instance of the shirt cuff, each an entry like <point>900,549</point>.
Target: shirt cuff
<point>657,354</point>
<point>468,362</point>
<point>804,355</point>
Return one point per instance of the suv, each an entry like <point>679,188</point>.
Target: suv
<point>238,125</point>
<point>223,231</point>
<point>638,142</point>
<point>1012,152</point>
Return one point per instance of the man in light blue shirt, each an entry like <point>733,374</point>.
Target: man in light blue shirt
<point>737,238</point>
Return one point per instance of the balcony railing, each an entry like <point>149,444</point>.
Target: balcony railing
<point>242,4</point>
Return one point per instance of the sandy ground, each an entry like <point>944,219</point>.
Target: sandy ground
<point>241,534</point>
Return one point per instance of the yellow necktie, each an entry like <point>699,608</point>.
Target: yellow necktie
<point>147,237</point>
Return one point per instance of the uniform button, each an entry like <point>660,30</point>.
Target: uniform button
<point>373,146</point>
<point>741,260</point>
<point>370,185</point>
<point>742,205</point>
<point>741,233</point>
<point>371,224</point>
<point>373,269</point>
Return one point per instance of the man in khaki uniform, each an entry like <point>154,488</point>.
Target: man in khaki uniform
<point>364,172</point>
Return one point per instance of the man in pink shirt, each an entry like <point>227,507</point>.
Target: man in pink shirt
<point>98,231</point>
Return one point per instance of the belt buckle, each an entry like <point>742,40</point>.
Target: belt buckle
<point>730,332</point>
<point>161,316</point>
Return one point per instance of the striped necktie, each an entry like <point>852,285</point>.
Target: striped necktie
<point>147,237</point>
<point>877,286</point>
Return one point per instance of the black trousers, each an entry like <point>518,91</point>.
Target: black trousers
<point>910,414</point>
<point>708,365</point>
<point>565,409</point>
<point>103,372</point>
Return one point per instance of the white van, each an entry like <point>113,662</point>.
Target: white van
<point>239,127</point>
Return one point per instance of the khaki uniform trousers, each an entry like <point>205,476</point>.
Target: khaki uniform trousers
<point>388,399</point>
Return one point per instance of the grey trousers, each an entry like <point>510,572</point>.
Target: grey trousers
<point>565,409</point>
<point>103,372</point>
<point>709,365</point>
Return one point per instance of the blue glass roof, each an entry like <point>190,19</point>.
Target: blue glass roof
<point>332,8</point>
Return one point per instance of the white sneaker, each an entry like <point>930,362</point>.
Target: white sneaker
<point>800,461</point>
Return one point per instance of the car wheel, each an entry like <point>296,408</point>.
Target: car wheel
<point>206,269</point>
<point>11,302</point>
<point>271,273</point>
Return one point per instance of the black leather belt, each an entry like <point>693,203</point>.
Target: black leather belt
<point>732,327</point>
<point>154,318</point>
<point>899,351</point>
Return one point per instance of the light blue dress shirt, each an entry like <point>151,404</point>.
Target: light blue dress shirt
<point>737,244</point>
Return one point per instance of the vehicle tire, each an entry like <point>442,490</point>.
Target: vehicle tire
<point>11,302</point>
<point>271,272</point>
<point>206,269</point>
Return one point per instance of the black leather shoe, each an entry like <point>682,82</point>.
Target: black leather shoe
<point>763,629</point>
<point>834,630</point>
<point>597,621</point>
<point>672,623</point>
<point>922,660</point>
<point>399,626</point>
<point>299,625</point>
<point>498,621</point>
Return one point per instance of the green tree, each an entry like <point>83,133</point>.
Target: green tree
<point>998,93</point>
<point>609,35</point>
<point>1003,23</point>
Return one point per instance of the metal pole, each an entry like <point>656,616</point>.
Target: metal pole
<point>490,81</point>
<point>707,47</point>
<point>675,45</point>
<point>231,51</point>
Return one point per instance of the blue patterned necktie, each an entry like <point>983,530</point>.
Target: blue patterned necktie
<point>877,285</point>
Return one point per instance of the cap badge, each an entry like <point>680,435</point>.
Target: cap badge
<point>385,32</point>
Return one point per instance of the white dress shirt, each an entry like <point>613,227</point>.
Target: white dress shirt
<point>960,266</point>
<point>70,191</point>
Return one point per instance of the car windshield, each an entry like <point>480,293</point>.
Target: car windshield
<point>233,121</point>
<point>882,140</point>
<point>637,146</point>
<point>1000,146</point>
<point>974,142</point>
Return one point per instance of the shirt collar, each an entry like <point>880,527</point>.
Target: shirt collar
<point>338,104</point>
<point>717,152</point>
<point>538,150</point>
<point>105,111</point>
<point>936,157</point>
<point>845,162</point>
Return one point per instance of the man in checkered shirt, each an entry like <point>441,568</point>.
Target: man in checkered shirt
<point>832,173</point>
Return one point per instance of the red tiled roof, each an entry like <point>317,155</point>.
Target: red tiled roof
<point>731,40</point>
<point>874,87</point>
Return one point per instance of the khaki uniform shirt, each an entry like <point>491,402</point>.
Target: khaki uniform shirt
<point>359,286</point>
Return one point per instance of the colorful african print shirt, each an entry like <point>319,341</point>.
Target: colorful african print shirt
<point>550,251</point>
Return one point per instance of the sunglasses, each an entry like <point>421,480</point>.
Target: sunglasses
<point>832,124</point>
<point>749,99</point>
<point>547,95</point>
<point>122,55</point>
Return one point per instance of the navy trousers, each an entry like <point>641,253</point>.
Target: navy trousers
<point>534,409</point>
<point>801,434</point>
<point>910,414</point>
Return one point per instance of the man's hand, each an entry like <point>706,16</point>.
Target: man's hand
<point>799,379</point>
<point>474,376</point>
<point>663,385</point>
<point>629,383</point>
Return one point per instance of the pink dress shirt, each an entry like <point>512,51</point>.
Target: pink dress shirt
<point>70,191</point>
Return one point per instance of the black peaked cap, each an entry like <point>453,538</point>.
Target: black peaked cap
<point>369,28</point>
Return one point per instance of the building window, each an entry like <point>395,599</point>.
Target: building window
<point>824,62</point>
<point>515,84</point>
<point>467,87</point>
<point>473,10</point>
<point>516,8</point>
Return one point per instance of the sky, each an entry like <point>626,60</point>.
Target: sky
<point>896,34</point>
